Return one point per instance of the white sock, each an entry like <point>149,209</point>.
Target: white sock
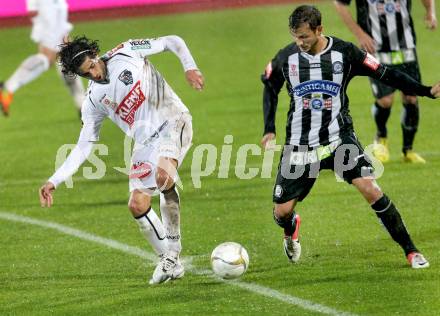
<point>152,229</point>
<point>170,211</point>
<point>75,86</point>
<point>30,68</point>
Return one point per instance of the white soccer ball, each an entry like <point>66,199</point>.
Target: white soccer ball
<point>229,260</point>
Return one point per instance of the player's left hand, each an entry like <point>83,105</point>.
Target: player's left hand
<point>45,193</point>
<point>431,21</point>
<point>435,90</point>
<point>195,79</point>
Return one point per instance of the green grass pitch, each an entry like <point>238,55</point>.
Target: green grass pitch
<point>349,263</point>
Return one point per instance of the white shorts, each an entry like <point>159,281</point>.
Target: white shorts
<point>50,26</point>
<point>174,143</point>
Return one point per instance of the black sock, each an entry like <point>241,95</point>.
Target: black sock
<point>381,116</point>
<point>391,219</point>
<point>409,123</point>
<point>287,223</point>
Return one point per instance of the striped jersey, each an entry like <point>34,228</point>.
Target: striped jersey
<point>316,84</point>
<point>388,22</point>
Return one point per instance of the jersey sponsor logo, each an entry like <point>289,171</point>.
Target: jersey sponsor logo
<point>140,44</point>
<point>140,170</point>
<point>108,102</point>
<point>317,86</point>
<point>132,101</point>
<point>111,52</point>
<point>337,67</point>
<point>317,102</point>
<point>126,77</point>
<point>371,62</point>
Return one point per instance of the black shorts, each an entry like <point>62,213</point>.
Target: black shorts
<point>294,181</point>
<point>381,90</point>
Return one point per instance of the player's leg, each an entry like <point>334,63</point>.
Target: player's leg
<point>149,223</point>
<point>293,183</point>
<point>30,69</point>
<point>75,87</point>
<point>362,177</point>
<point>381,110</point>
<point>172,150</point>
<point>390,217</point>
<point>410,118</point>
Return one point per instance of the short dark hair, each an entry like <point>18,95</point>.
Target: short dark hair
<point>72,54</point>
<point>305,14</point>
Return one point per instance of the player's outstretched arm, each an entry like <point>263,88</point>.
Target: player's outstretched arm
<point>75,159</point>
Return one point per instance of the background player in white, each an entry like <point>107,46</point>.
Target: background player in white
<point>49,27</point>
<point>125,87</point>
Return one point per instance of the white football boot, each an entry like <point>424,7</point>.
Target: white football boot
<point>417,261</point>
<point>168,268</point>
<point>292,247</point>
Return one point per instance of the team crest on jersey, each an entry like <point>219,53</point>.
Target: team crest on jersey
<point>107,102</point>
<point>337,67</point>
<point>126,77</point>
<point>132,101</point>
<point>317,86</point>
<point>293,71</point>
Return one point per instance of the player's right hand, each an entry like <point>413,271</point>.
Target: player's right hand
<point>366,42</point>
<point>268,141</point>
<point>45,192</point>
<point>195,79</point>
<point>435,90</point>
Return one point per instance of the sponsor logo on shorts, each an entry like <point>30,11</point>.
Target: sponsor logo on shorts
<point>140,170</point>
<point>278,191</point>
<point>132,101</point>
<point>126,77</point>
<point>140,44</point>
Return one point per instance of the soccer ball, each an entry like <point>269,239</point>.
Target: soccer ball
<point>229,260</point>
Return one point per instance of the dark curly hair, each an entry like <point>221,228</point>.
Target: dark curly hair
<point>73,53</point>
<point>305,14</point>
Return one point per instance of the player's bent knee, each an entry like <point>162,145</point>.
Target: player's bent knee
<point>386,102</point>
<point>163,180</point>
<point>283,210</point>
<point>138,203</point>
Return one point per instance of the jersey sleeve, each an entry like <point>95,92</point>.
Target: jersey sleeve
<point>365,64</point>
<point>273,81</point>
<point>92,118</point>
<point>147,47</point>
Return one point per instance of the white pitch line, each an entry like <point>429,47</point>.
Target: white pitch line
<point>251,287</point>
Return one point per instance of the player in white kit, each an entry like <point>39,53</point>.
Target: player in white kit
<point>125,87</point>
<point>49,27</point>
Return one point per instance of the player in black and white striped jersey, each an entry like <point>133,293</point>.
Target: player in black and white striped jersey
<point>385,28</point>
<point>319,130</point>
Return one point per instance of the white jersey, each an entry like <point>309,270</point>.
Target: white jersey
<point>136,98</point>
<point>37,5</point>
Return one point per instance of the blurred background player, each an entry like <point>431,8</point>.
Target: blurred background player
<point>125,87</point>
<point>49,27</point>
<point>385,28</point>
